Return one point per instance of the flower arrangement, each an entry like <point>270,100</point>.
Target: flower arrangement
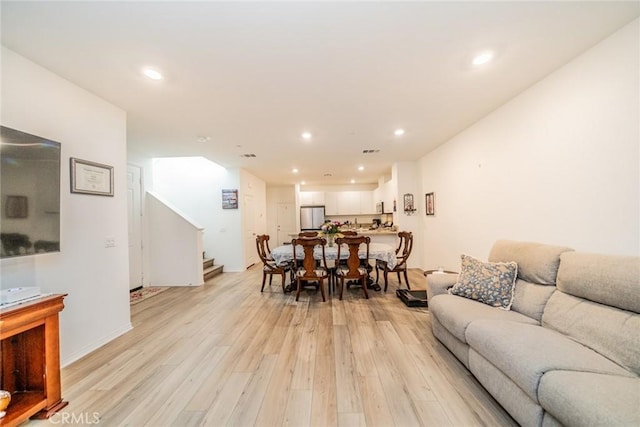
<point>330,228</point>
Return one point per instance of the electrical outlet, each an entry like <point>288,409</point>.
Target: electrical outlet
<point>109,242</point>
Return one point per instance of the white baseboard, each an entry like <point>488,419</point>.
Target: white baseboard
<point>95,345</point>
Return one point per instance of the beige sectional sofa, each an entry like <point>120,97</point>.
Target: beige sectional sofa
<point>568,350</point>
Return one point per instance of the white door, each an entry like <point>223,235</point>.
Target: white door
<point>250,254</point>
<point>134,210</point>
<point>286,223</point>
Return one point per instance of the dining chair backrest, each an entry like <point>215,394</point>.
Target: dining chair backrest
<point>402,254</point>
<point>269,264</point>
<point>308,234</point>
<point>353,262</point>
<point>262,245</point>
<point>405,246</point>
<point>308,261</point>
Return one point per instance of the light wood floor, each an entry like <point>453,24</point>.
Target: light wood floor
<point>226,354</point>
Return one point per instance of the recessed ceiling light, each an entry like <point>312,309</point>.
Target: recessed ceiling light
<point>482,58</point>
<point>202,139</point>
<point>303,182</point>
<point>398,132</point>
<point>294,170</point>
<point>353,181</point>
<point>360,168</point>
<point>152,74</point>
<point>306,135</point>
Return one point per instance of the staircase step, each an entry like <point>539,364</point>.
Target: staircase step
<point>212,271</point>
<point>208,262</point>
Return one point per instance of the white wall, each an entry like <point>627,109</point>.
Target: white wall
<point>194,185</point>
<point>404,177</point>
<point>175,245</point>
<point>96,278</point>
<point>558,164</point>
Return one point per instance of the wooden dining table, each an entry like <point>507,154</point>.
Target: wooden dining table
<point>283,254</point>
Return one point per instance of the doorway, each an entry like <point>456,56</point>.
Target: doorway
<point>249,215</point>
<point>286,222</point>
<point>134,217</point>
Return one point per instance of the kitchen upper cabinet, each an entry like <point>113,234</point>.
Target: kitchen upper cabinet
<point>367,206</point>
<point>349,203</point>
<point>386,194</point>
<point>311,198</point>
<point>331,203</point>
<point>340,202</point>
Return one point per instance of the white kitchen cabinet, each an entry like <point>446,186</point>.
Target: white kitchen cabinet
<point>331,203</point>
<point>366,203</point>
<point>305,198</point>
<point>348,204</point>
<point>308,198</point>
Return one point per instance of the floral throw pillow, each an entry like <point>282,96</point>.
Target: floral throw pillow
<point>491,283</point>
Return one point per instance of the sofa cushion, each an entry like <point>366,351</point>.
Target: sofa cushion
<point>455,346</point>
<point>491,283</point>
<point>511,397</point>
<point>610,331</point>
<point>582,398</point>
<point>530,298</point>
<point>537,263</point>
<point>607,279</point>
<point>525,352</point>
<point>456,313</point>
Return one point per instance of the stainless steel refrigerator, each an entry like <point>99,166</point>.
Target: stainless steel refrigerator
<point>311,217</point>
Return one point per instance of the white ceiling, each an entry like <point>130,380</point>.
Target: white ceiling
<point>254,76</point>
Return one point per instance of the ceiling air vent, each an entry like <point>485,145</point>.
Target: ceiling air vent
<point>370,151</point>
<point>248,155</point>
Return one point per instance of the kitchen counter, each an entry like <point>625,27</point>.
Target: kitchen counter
<point>381,231</point>
<point>382,235</point>
<point>366,232</point>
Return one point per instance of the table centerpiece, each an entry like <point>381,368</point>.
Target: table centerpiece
<point>330,230</point>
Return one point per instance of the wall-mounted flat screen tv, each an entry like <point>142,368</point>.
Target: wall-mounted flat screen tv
<point>29,194</point>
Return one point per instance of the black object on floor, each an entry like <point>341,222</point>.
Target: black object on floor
<point>374,286</point>
<point>412,298</point>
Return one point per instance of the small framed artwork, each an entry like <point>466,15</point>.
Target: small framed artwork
<point>430,201</point>
<point>229,199</point>
<point>91,178</point>
<point>16,207</point>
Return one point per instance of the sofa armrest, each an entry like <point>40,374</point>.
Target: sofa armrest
<point>439,283</point>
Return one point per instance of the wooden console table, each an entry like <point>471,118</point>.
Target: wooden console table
<point>30,368</point>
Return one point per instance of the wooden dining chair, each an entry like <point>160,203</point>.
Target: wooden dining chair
<point>332,269</point>
<point>308,234</point>
<point>402,254</point>
<point>269,266</point>
<point>307,270</point>
<point>353,269</point>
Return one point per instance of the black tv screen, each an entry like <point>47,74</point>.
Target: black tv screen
<point>29,194</point>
